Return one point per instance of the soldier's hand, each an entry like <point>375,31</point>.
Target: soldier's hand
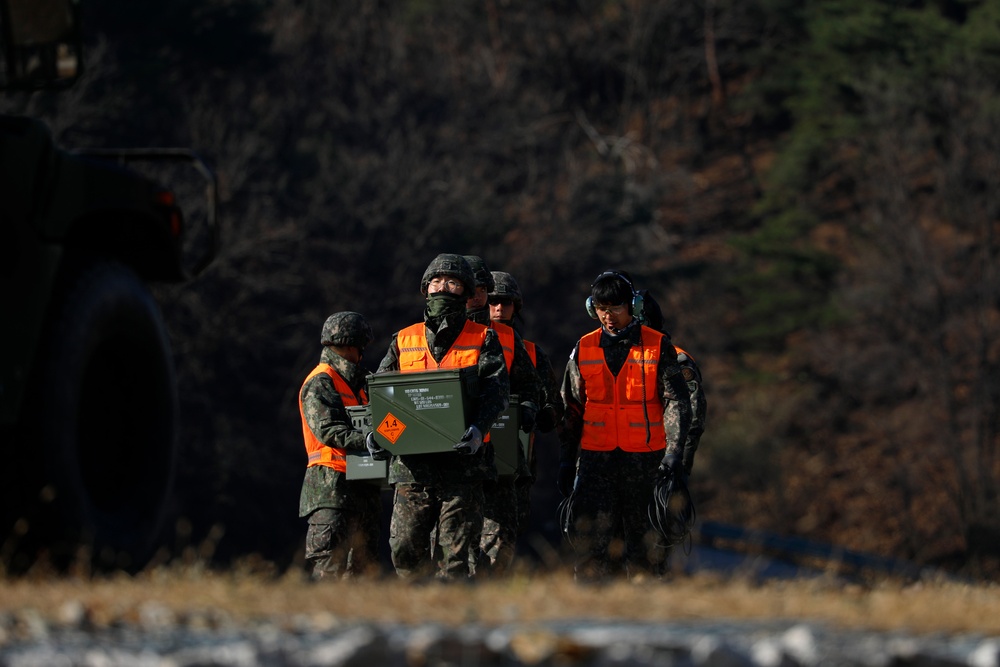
<point>471,441</point>
<point>376,451</point>
<point>671,465</point>
<point>528,412</point>
<point>566,479</point>
<point>545,420</point>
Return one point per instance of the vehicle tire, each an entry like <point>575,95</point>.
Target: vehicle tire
<point>105,413</point>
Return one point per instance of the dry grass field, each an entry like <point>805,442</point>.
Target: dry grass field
<point>245,594</point>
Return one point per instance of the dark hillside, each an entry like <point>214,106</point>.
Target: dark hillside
<point>808,189</point>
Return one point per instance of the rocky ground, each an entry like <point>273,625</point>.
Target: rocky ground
<point>761,612</point>
<point>158,637</point>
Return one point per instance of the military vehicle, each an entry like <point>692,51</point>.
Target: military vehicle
<point>88,399</point>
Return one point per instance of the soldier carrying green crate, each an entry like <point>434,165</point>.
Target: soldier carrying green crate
<point>343,515</point>
<point>442,490</point>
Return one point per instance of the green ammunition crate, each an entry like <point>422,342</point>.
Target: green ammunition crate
<point>363,466</point>
<point>525,440</point>
<point>424,412</point>
<point>504,438</point>
<point>361,417</point>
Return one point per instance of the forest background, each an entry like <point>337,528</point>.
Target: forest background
<point>809,189</point>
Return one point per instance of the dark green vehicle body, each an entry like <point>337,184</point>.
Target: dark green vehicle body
<point>88,407</point>
<point>55,203</point>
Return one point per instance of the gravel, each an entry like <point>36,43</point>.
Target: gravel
<point>156,637</point>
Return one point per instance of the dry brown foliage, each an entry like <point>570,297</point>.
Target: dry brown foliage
<point>243,596</point>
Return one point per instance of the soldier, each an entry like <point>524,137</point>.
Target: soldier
<point>652,316</point>
<point>343,515</point>
<point>500,513</point>
<point>627,416</point>
<point>505,302</point>
<point>444,491</point>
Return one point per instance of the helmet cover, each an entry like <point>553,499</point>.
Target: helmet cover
<point>479,269</point>
<point>448,264</point>
<point>505,287</point>
<point>347,329</point>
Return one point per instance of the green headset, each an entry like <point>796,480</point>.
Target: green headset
<point>636,297</point>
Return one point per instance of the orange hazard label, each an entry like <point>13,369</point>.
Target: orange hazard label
<point>391,428</point>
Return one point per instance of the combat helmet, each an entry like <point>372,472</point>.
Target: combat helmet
<point>483,276</point>
<point>347,329</point>
<point>448,264</point>
<point>505,287</point>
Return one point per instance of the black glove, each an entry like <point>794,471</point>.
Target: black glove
<point>671,465</point>
<point>545,420</point>
<point>377,452</point>
<point>471,441</point>
<point>528,412</point>
<point>566,479</point>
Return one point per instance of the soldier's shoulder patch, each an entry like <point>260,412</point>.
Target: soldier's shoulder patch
<point>687,373</point>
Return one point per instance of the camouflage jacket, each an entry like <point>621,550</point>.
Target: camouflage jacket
<point>327,417</point>
<point>525,382</point>
<point>494,395</point>
<point>671,387</point>
<point>527,385</point>
<point>699,406</point>
<point>524,378</point>
<point>550,398</point>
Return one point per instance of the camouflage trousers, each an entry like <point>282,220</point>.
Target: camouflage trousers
<point>434,528</point>
<point>611,531</point>
<point>342,542</point>
<point>500,516</point>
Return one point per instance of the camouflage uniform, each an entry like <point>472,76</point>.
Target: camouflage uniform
<point>699,407</point>
<point>500,511</point>
<point>443,492</point>
<point>343,516</point>
<point>616,486</point>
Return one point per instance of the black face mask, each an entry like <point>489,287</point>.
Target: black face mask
<point>445,303</point>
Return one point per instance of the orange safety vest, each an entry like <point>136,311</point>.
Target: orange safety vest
<point>613,413</point>
<point>533,355</point>
<point>505,333</point>
<point>318,453</point>
<point>530,347</point>
<point>415,355</point>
